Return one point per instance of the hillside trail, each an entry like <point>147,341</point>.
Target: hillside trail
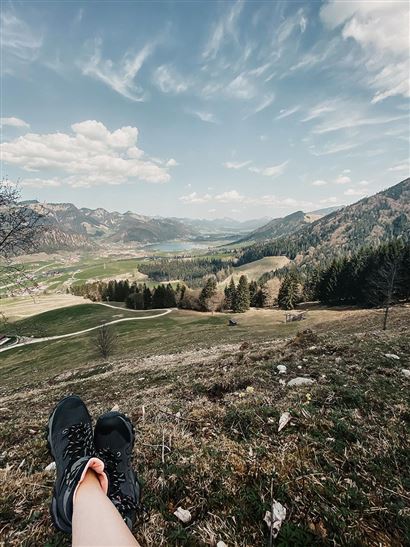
<point>77,333</point>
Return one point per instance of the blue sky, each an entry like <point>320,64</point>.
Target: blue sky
<point>205,109</point>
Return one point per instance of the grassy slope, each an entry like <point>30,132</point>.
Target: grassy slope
<point>255,269</point>
<point>339,468</point>
<point>181,330</point>
<point>66,320</point>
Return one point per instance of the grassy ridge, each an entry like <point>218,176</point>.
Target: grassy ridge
<point>340,467</point>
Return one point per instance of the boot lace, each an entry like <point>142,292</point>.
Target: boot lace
<point>122,502</point>
<point>79,443</point>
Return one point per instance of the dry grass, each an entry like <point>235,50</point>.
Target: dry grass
<point>208,441</point>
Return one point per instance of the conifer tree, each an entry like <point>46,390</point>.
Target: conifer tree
<point>207,294</point>
<point>241,301</point>
<point>229,292</point>
<point>288,295</point>
<point>147,296</point>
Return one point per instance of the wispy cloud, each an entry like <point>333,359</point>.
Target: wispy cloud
<point>264,103</point>
<point>236,164</point>
<point>224,29</point>
<point>167,79</point>
<point>19,43</point>
<point>207,117</point>
<point>405,166</point>
<point>380,29</point>
<point>319,182</point>
<point>121,75</point>
<point>272,171</point>
<point>285,112</point>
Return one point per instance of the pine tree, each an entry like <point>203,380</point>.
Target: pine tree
<point>229,292</point>
<point>147,296</point>
<point>169,297</point>
<point>242,299</point>
<point>253,291</point>
<point>288,295</point>
<point>207,294</point>
<point>158,298</point>
<point>135,301</point>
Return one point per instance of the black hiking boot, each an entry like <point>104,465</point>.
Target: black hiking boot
<point>114,440</point>
<point>70,441</point>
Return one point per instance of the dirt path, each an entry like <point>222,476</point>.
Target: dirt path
<point>77,333</point>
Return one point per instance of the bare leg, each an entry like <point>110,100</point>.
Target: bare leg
<point>96,521</point>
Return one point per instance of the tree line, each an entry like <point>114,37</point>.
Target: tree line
<point>191,270</point>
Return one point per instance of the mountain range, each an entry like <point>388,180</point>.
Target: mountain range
<point>370,221</point>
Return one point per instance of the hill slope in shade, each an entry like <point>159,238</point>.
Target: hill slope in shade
<point>371,221</point>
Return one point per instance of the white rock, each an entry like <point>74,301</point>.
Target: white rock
<point>275,518</point>
<point>406,372</point>
<point>392,356</point>
<point>299,366</point>
<point>183,514</point>
<point>284,420</point>
<point>282,369</point>
<point>300,381</point>
<point>221,544</point>
<point>115,408</point>
<point>50,467</point>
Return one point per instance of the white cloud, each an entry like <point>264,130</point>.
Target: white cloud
<point>272,171</point>
<point>232,196</point>
<point>236,164</point>
<point>285,112</point>
<point>364,183</point>
<point>194,197</point>
<point>169,81</point>
<point>346,171</point>
<point>343,179</point>
<point>382,31</point>
<point>319,183</point>
<point>353,121</point>
<point>90,155</point>
<point>223,30</point>
<point>400,167</point>
<point>329,201</point>
<point>332,148</point>
<point>40,183</point>
<point>13,122</point>
<point>354,192</point>
<point>172,163</point>
<point>119,76</point>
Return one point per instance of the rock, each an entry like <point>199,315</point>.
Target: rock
<point>183,515</point>
<point>284,420</point>
<point>50,467</point>
<point>392,356</point>
<point>32,432</point>
<point>221,544</point>
<point>299,366</point>
<point>406,372</point>
<point>282,382</point>
<point>115,408</point>
<point>275,518</point>
<point>282,369</point>
<point>300,381</point>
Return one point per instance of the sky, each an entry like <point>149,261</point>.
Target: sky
<point>205,109</point>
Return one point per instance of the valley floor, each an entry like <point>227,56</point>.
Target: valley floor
<point>206,399</point>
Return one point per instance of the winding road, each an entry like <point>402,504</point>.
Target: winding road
<point>29,341</point>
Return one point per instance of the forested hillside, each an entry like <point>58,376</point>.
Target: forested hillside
<point>370,221</point>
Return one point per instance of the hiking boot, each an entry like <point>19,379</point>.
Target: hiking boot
<point>70,441</point>
<point>114,440</point>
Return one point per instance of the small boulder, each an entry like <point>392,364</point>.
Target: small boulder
<point>115,408</point>
<point>183,515</point>
<point>51,467</point>
<point>406,372</point>
<point>300,381</point>
<point>392,356</point>
<point>281,369</point>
